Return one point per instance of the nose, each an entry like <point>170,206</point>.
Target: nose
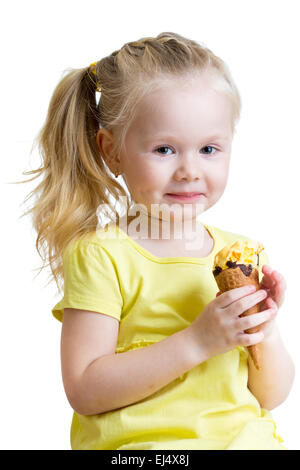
<point>188,168</point>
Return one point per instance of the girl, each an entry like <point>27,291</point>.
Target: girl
<point>152,356</point>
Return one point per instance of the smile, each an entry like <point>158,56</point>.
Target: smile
<point>185,197</point>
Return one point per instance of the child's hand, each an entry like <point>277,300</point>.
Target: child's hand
<point>274,283</point>
<point>219,328</point>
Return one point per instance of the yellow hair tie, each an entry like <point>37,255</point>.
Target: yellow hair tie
<point>93,67</point>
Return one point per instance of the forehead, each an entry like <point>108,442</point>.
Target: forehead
<point>179,104</point>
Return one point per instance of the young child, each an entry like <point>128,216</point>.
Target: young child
<point>152,356</point>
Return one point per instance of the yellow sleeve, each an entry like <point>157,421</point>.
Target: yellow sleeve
<point>90,281</point>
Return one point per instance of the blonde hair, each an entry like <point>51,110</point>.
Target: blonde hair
<point>76,180</point>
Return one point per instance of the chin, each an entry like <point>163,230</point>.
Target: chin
<point>187,213</point>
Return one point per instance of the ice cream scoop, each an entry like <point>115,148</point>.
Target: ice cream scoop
<point>241,252</point>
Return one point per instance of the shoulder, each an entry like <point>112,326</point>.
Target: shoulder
<point>227,236</point>
<point>105,238</point>
<point>107,248</point>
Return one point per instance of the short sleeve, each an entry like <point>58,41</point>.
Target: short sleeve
<point>90,281</point>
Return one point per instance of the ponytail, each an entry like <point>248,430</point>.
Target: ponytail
<point>75,178</point>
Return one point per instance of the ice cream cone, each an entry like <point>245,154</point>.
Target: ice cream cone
<point>231,278</point>
<point>236,265</point>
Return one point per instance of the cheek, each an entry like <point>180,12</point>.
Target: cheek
<point>217,177</point>
<point>145,179</point>
<point>149,176</point>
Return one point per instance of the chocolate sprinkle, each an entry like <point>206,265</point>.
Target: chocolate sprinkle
<point>231,264</point>
<point>217,270</point>
<point>246,269</point>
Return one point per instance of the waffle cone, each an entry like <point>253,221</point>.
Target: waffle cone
<point>231,278</point>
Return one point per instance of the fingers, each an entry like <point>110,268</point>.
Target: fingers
<point>272,304</point>
<point>280,279</point>
<point>245,339</point>
<point>242,304</point>
<point>274,283</point>
<point>267,280</point>
<point>247,323</point>
<point>227,298</point>
<point>280,287</point>
<point>272,278</point>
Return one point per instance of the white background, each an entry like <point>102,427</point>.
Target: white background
<point>259,40</point>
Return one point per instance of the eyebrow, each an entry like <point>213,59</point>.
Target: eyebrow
<point>166,137</point>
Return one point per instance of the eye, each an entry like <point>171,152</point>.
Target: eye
<point>208,148</point>
<point>164,147</point>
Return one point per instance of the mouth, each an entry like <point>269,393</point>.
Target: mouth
<point>184,196</point>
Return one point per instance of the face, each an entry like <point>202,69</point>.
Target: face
<point>179,142</point>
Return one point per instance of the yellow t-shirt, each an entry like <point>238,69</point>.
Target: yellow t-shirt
<point>210,406</point>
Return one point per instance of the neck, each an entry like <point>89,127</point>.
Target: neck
<point>154,228</point>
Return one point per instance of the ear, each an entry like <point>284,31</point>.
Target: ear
<point>105,143</point>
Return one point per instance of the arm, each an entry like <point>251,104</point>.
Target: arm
<point>97,380</point>
<point>118,380</point>
<point>273,382</point>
